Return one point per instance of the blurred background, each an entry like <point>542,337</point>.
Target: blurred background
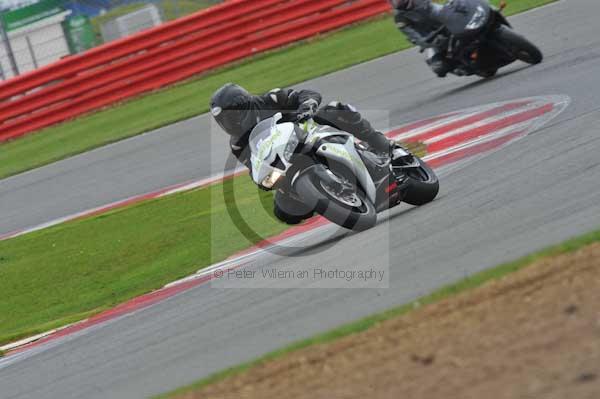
<point>34,33</point>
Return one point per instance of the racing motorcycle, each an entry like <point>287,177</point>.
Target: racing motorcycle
<point>338,177</point>
<point>478,39</point>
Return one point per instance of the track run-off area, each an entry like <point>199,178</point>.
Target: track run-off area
<point>535,186</point>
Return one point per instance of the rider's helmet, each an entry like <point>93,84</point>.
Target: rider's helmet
<point>402,4</point>
<point>231,106</point>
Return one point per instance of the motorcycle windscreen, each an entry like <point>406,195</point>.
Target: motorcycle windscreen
<point>465,17</point>
<point>260,132</point>
<point>260,144</point>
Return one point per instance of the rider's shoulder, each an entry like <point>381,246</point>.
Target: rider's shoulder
<point>278,95</point>
<point>274,94</point>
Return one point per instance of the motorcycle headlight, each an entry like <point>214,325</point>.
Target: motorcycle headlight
<point>478,20</point>
<point>291,146</point>
<point>271,179</point>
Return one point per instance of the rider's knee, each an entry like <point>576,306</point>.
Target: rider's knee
<point>336,113</point>
<point>439,65</point>
<point>339,106</point>
<point>440,68</point>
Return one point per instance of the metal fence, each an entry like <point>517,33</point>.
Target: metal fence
<point>83,25</point>
<point>27,53</point>
<point>170,53</point>
<point>169,9</point>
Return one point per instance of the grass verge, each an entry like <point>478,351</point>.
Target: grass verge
<point>180,8</point>
<point>69,272</point>
<point>280,68</point>
<point>169,10</point>
<point>469,283</point>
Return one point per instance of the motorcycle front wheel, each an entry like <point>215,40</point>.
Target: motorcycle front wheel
<point>349,208</point>
<point>521,48</point>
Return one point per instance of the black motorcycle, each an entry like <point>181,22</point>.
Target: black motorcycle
<point>477,39</point>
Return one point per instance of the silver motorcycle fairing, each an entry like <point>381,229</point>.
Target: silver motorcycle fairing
<point>345,154</point>
<point>268,140</point>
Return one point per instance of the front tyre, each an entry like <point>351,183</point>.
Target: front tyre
<point>422,184</point>
<point>520,47</point>
<point>350,209</point>
<point>289,210</point>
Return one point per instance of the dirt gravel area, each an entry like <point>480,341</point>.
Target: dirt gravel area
<point>532,334</point>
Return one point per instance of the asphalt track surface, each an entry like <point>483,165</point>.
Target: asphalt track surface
<point>536,192</point>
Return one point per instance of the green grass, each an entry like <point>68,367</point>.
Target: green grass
<point>469,283</point>
<point>280,68</point>
<point>170,10</point>
<point>69,272</point>
<point>98,21</point>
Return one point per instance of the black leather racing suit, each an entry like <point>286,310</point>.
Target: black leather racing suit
<point>288,102</point>
<point>417,22</point>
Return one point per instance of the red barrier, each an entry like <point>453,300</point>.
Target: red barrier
<point>167,54</point>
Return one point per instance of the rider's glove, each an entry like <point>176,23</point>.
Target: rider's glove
<point>307,110</point>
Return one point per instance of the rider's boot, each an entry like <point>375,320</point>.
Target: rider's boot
<point>379,144</point>
<point>438,63</point>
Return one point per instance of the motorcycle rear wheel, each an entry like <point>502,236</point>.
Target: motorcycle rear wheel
<point>488,73</point>
<point>422,184</point>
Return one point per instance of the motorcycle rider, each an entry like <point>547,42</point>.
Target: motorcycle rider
<point>237,112</point>
<point>417,19</point>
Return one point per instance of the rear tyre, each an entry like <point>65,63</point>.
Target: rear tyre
<point>490,73</point>
<point>521,48</point>
<point>422,184</point>
<point>358,217</point>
